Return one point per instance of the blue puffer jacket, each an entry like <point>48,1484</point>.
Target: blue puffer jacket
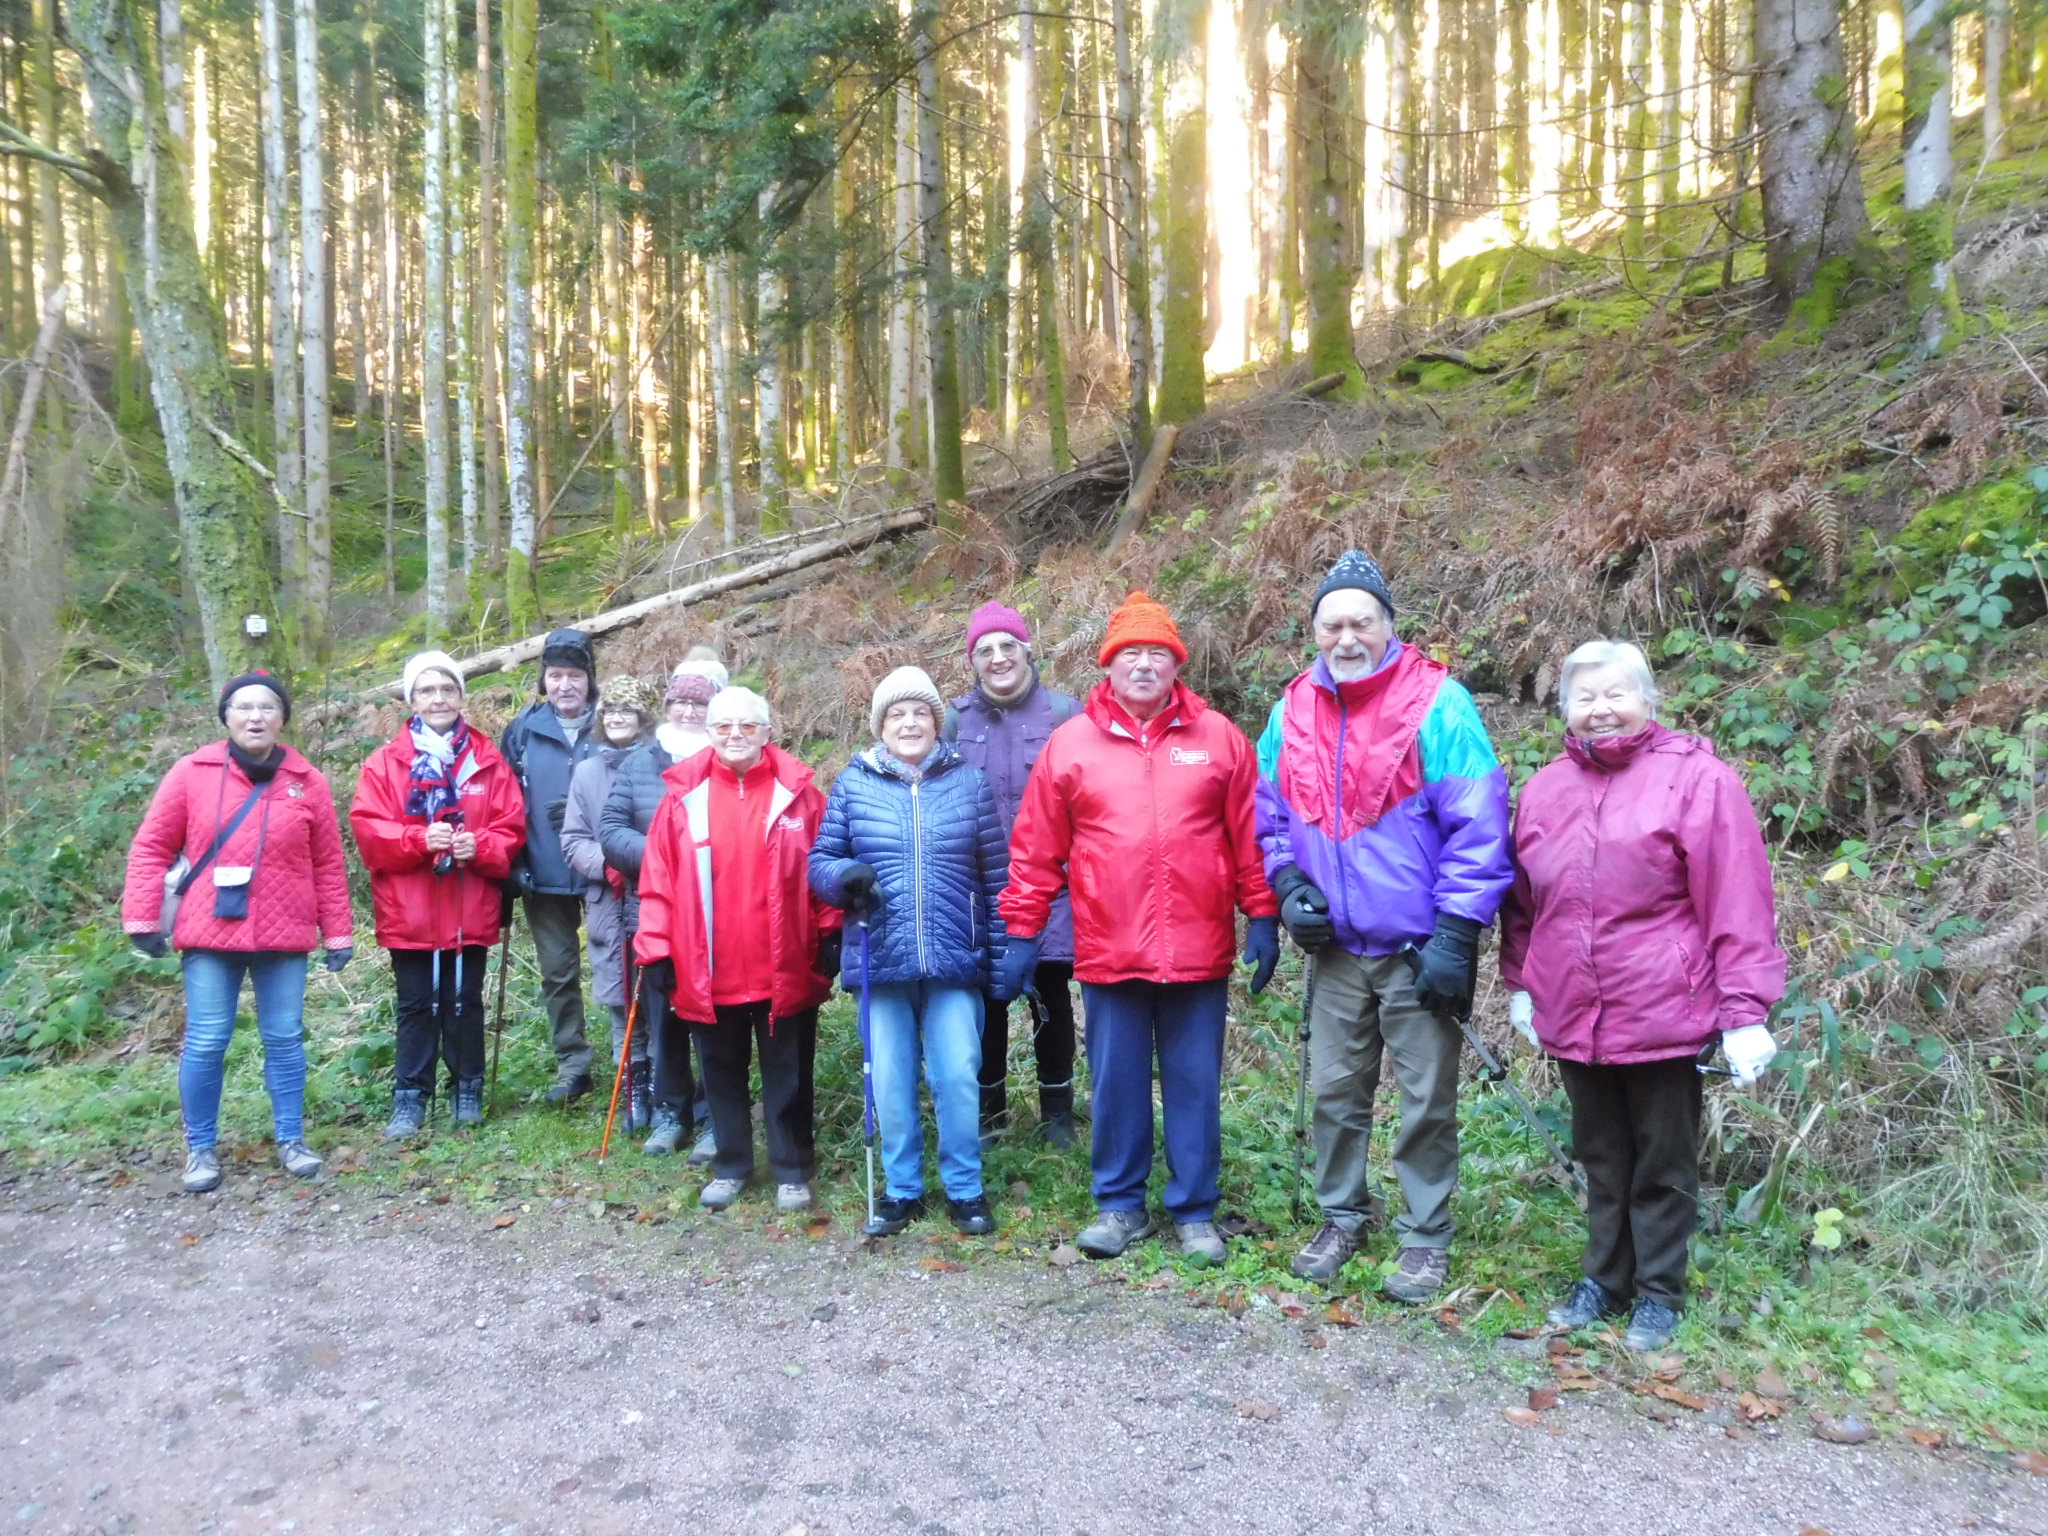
<point>936,847</point>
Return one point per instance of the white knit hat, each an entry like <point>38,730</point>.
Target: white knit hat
<point>704,662</point>
<point>905,683</point>
<point>431,661</point>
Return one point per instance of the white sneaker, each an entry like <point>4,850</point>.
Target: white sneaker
<point>720,1193</point>
<point>300,1160</point>
<point>792,1197</point>
<point>202,1170</point>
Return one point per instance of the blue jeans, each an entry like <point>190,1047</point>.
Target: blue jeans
<point>949,1019</point>
<point>1184,1020</point>
<point>213,992</point>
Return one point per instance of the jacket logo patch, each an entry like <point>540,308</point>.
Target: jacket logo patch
<point>295,791</point>
<point>790,823</point>
<point>1187,755</point>
<point>474,789</point>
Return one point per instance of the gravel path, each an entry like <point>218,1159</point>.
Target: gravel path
<point>305,1359</point>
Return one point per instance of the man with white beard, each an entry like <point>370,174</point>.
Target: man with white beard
<point>1383,817</point>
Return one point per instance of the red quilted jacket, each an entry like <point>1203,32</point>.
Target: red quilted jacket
<point>298,897</point>
<point>416,908</point>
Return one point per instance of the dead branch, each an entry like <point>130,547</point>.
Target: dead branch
<point>14,482</point>
<point>1151,474</point>
<point>1482,323</point>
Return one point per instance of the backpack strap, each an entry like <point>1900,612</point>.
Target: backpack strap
<point>220,839</point>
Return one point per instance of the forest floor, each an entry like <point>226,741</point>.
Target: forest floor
<point>283,1357</point>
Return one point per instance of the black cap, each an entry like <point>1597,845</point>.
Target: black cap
<point>569,648</point>
<point>258,680</point>
<point>1355,568</point>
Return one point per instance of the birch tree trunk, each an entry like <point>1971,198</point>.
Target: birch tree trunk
<point>1997,34</point>
<point>724,428</point>
<point>949,473</point>
<point>434,315</point>
<point>1810,184</point>
<point>1181,51</point>
<point>770,298</point>
<point>486,289</point>
<point>458,295</point>
<point>287,448</point>
<point>394,367</point>
<point>521,597</point>
<point>1929,220</point>
<point>315,374</point>
<point>643,364</point>
<point>219,497</point>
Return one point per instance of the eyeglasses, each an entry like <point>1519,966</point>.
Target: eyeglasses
<point>255,709</point>
<point>747,728</point>
<point>988,650</point>
<point>621,712</point>
<point>694,705</point>
<point>436,693</point>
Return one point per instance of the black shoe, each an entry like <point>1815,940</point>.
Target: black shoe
<point>640,1084</point>
<point>469,1101</point>
<point>1650,1326</point>
<point>892,1216</point>
<point>1584,1305</point>
<point>971,1218</point>
<point>568,1088</point>
<point>408,1114</point>
<point>1056,1116</point>
<point>995,1112</point>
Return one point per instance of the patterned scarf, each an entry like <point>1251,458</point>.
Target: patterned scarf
<point>435,781</point>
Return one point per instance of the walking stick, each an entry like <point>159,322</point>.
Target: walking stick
<point>459,894</point>
<point>632,1016</point>
<point>509,909</point>
<point>1308,1003</point>
<point>867,1069</point>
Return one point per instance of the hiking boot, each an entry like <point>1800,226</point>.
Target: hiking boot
<point>995,1112</point>
<point>1420,1275</point>
<point>1200,1243</point>
<point>1584,1305</point>
<point>668,1132</point>
<point>1056,1116</point>
<point>640,1084</point>
<point>1327,1252</point>
<point>971,1218</point>
<point>892,1216</point>
<point>202,1170</point>
<point>568,1087</point>
<point>408,1114</point>
<point>469,1101</point>
<point>720,1193</point>
<point>790,1198</point>
<point>1650,1326</point>
<point>1112,1232</point>
<point>297,1159</point>
<point>707,1145</point>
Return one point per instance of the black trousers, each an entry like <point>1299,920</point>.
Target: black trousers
<point>433,1022</point>
<point>1052,1042</point>
<point>1636,1131</point>
<point>668,1043</point>
<point>789,1051</point>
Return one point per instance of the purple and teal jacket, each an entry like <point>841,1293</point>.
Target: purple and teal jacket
<point>1386,793</point>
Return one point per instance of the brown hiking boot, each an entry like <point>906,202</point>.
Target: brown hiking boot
<point>1327,1252</point>
<point>1420,1275</point>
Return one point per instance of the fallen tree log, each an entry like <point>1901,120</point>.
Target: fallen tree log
<point>759,573</point>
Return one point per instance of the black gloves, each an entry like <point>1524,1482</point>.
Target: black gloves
<point>829,945</point>
<point>1303,908</point>
<point>1262,949</point>
<point>154,945</point>
<point>1012,971</point>
<point>660,976</point>
<point>858,886</point>
<point>337,958</point>
<point>556,810</point>
<point>1444,966</point>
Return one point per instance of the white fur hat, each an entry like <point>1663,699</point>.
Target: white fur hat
<point>905,683</point>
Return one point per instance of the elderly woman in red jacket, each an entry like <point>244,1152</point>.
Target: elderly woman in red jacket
<point>241,835</point>
<point>437,816</point>
<point>1640,931</point>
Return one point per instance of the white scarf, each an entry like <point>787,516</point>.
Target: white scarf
<point>680,742</point>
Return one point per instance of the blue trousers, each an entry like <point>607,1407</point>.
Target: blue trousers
<point>213,994</point>
<point>1183,1021</point>
<point>945,1021</point>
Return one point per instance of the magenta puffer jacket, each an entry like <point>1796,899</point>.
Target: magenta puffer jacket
<point>1641,920</point>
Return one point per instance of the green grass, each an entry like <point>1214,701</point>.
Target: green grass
<point>1762,1297</point>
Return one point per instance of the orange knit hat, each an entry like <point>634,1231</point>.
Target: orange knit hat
<point>1140,621</point>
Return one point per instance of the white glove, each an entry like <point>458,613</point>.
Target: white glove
<point>1522,1014</point>
<point>1749,1051</point>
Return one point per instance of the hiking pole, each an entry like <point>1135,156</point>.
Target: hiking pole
<point>459,894</point>
<point>1496,1073</point>
<point>1308,1003</point>
<point>626,1045</point>
<point>867,1069</point>
<point>508,910</point>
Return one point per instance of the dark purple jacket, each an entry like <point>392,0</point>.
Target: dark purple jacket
<point>1004,744</point>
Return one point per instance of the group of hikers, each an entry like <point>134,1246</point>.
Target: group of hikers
<point>999,848</point>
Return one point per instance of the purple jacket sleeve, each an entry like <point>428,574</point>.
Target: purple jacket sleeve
<point>1468,794</point>
<point>1729,875</point>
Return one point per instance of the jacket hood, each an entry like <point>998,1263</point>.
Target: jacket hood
<point>790,771</point>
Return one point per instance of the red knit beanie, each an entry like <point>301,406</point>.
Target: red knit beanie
<point>1140,621</point>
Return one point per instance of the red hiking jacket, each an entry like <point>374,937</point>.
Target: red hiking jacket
<point>680,911</point>
<point>416,908</point>
<point>1641,920</point>
<point>1151,831</point>
<point>298,897</point>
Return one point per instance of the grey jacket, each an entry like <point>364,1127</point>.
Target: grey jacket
<point>604,910</point>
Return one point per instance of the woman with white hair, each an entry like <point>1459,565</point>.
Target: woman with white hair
<point>1639,932</point>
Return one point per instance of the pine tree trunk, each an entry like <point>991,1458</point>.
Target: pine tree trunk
<point>724,427</point>
<point>616,424</point>
<point>1321,98</point>
<point>358,287</point>
<point>1811,187</point>
<point>220,499</point>
<point>1671,135</point>
<point>902,435</point>
<point>315,327</point>
<point>949,473</point>
<point>1997,34</point>
<point>770,301</point>
<point>486,290</point>
<point>643,364</point>
<point>1184,56</point>
<point>521,596</point>
<point>1130,186</point>
<point>1635,186</point>
<point>846,317</point>
<point>459,291</point>
<point>1401,148</point>
<point>287,443</point>
<point>434,331</point>
<point>394,362</point>
<point>1929,219</point>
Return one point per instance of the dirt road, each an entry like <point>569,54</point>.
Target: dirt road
<point>303,1359</point>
